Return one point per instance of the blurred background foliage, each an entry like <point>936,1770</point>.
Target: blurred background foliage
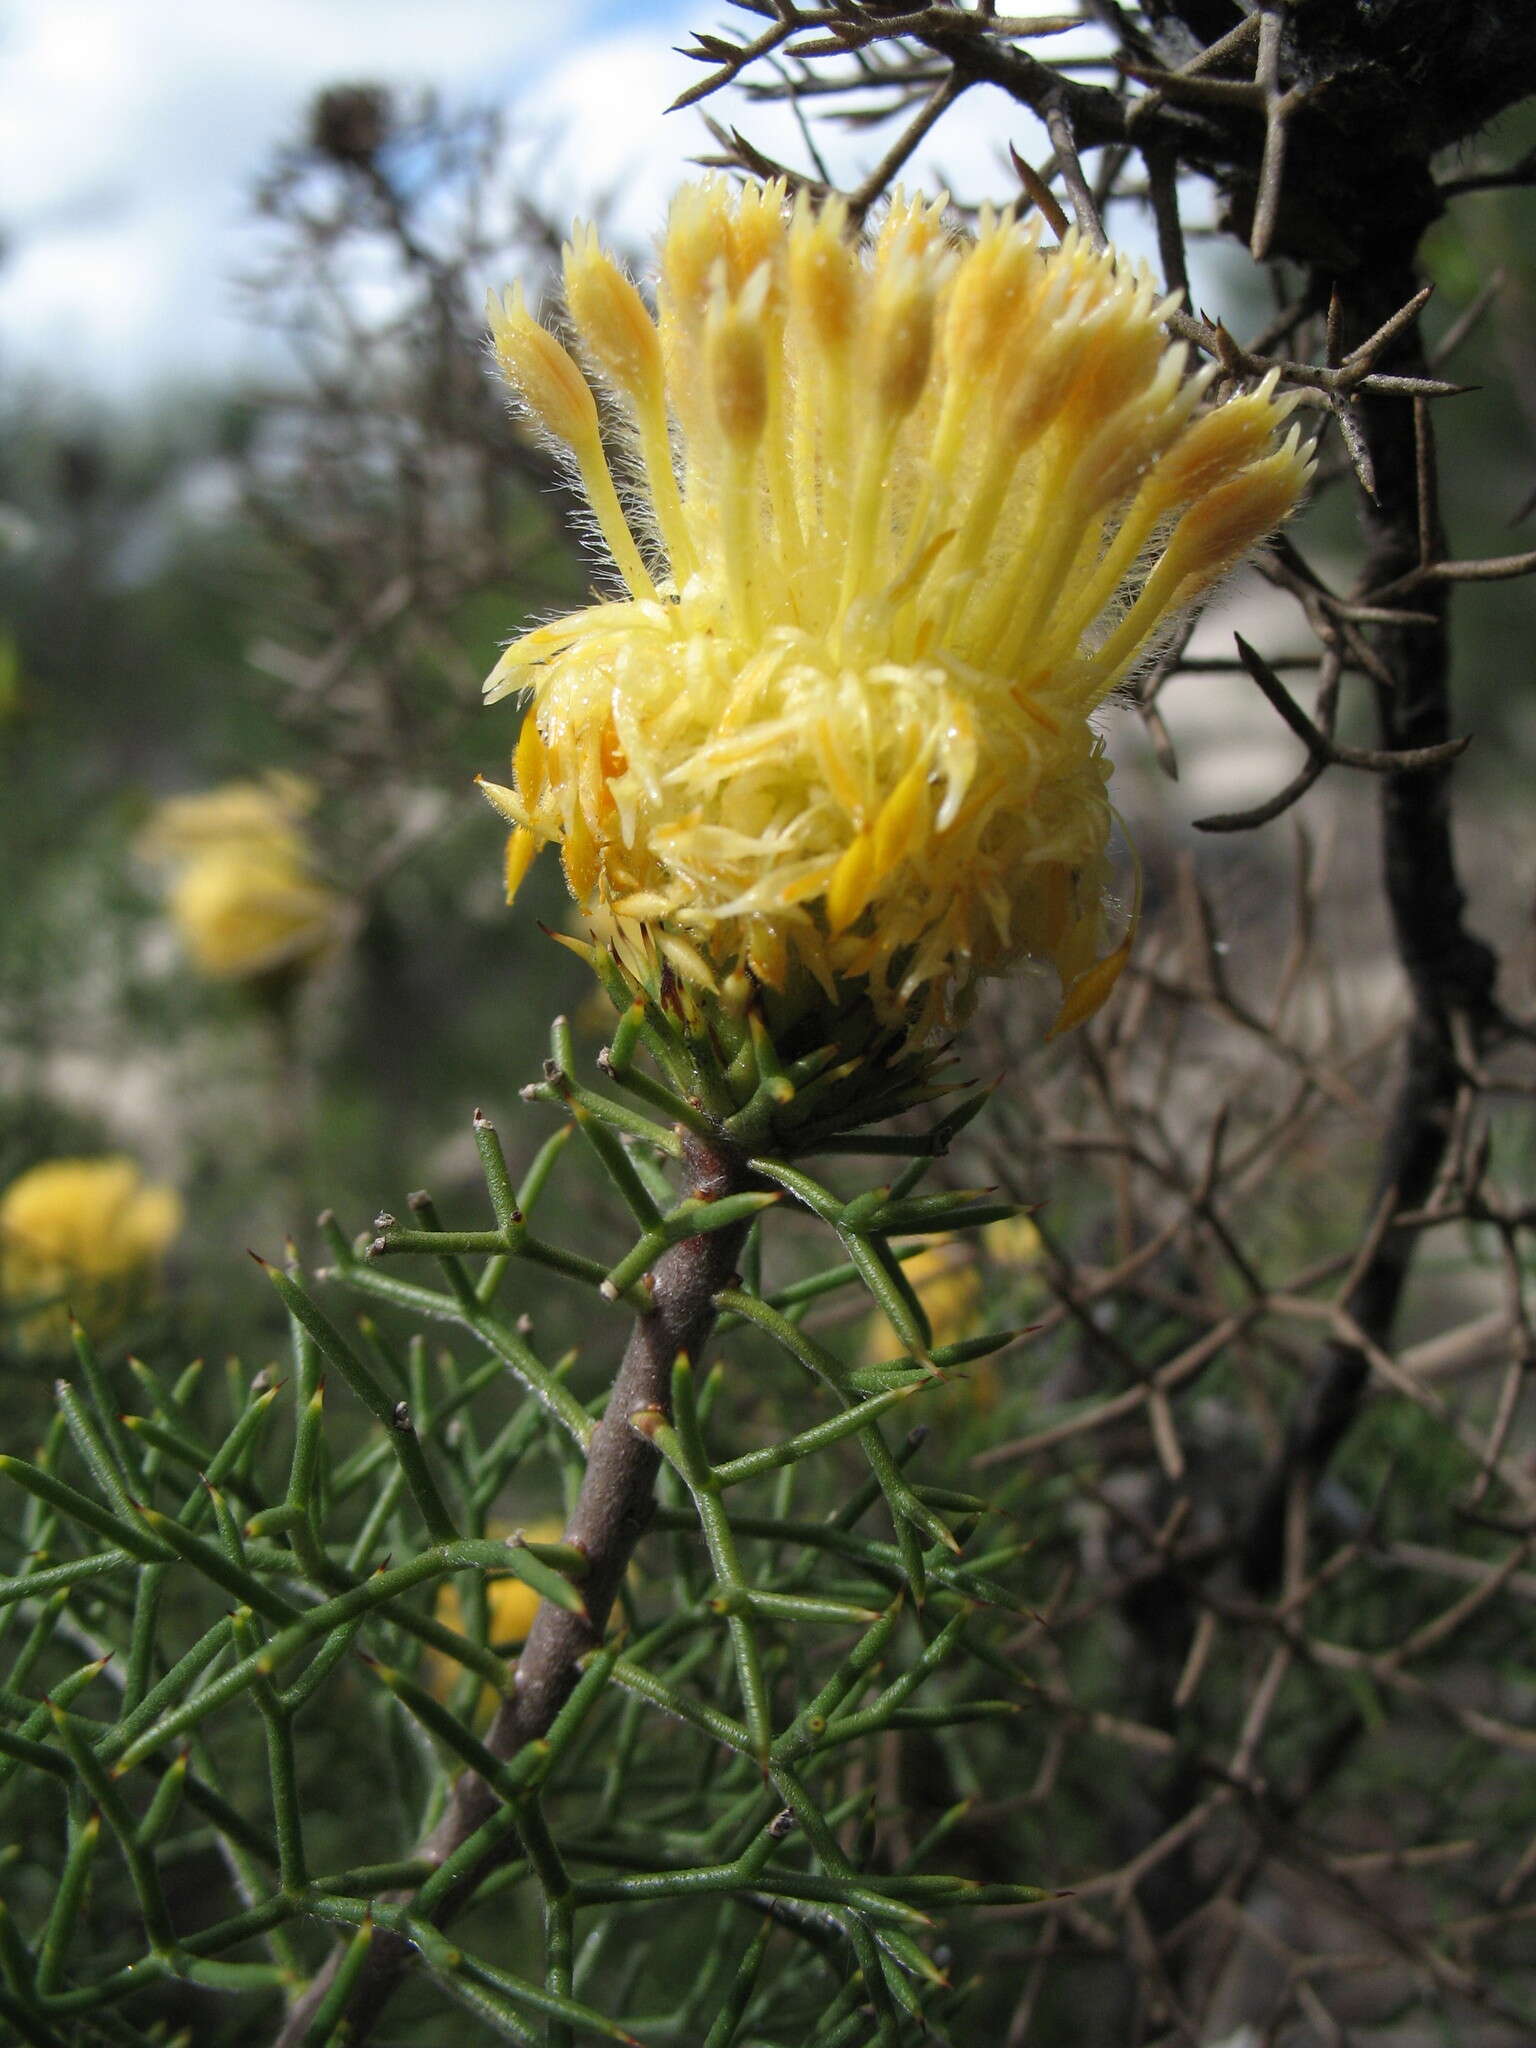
<point>310,578</point>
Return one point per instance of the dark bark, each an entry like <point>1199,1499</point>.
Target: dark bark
<point>1449,970</point>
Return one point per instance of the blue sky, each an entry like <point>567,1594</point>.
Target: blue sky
<point>130,131</point>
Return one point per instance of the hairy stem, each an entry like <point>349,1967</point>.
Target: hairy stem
<point>611,1515</point>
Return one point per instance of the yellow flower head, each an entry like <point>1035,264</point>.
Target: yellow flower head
<point>244,898</point>
<point>81,1234</point>
<point>901,512</point>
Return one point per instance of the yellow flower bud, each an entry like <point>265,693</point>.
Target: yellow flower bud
<point>901,338</point>
<point>1226,521</point>
<point>697,240</point>
<point>738,369</point>
<point>991,289</point>
<point>612,318</point>
<point>542,372</point>
<point>823,271</point>
<point>1219,443</point>
<point>548,379</point>
<point>757,236</point>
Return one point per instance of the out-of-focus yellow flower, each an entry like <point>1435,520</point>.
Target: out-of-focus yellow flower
<point>947,1279</point>
<point>244,912</point>
<point>1012,1243</point>
<point>244,898</point>
<point>266,811</point>
<point>949,1282</point>
<point>81,1234</point>
<point>512,1606</point>
<point>905,511</point>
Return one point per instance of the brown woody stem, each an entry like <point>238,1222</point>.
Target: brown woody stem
<point>612,1513</point>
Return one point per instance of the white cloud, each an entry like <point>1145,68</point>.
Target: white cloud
<point>605,104</point>
<point>611,98</point>
<point>131,130</point>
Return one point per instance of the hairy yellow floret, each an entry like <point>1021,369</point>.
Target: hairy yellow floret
<point>81,1234</point>
<point>244,897</point>
<point>907,509</point>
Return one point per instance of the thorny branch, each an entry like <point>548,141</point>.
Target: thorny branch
<point>1449,971</point>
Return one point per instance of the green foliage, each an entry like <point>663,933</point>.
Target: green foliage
<point>222,1624</point>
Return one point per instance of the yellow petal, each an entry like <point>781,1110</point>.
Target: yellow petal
<point>1091,990</point>
<point>851,883</point>
<point>902,824</point>
<point>506,801</point>
<point>522,850</point>
<point>529,764</point>
<point>579,853</point>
